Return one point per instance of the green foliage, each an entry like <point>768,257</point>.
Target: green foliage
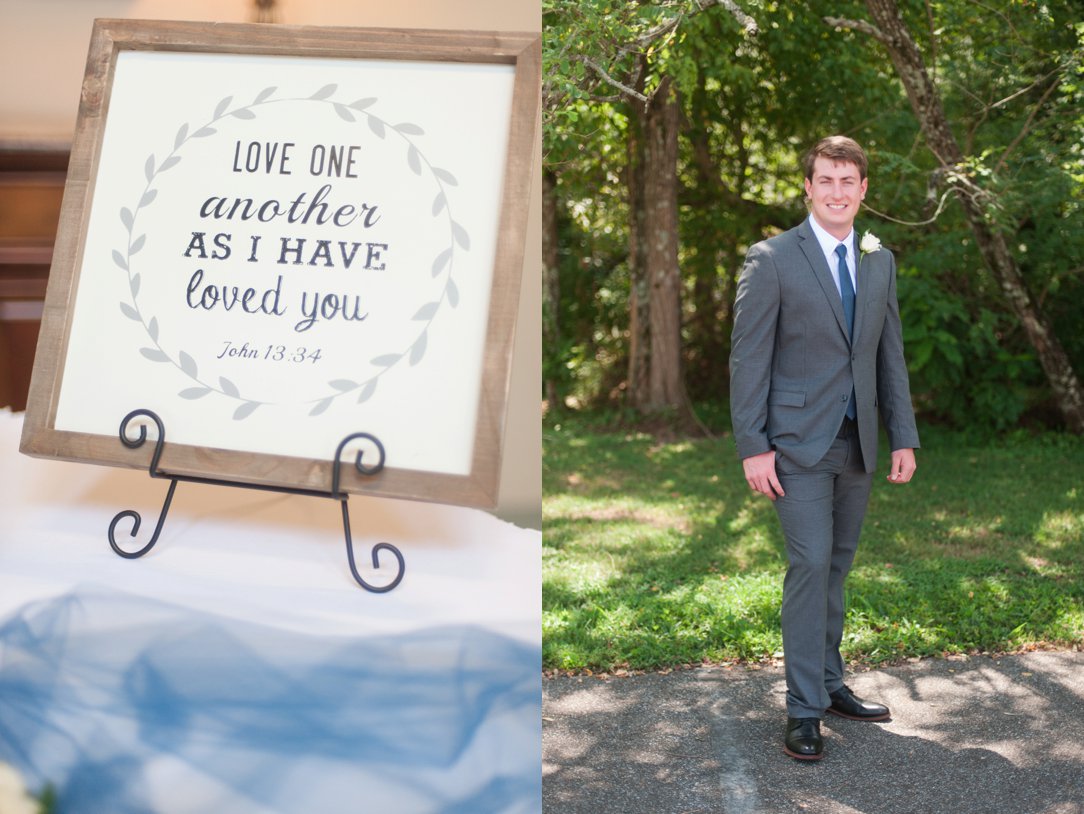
<point>593,47</point>
<point>963,368</point>
<point>656,554</point>
<point>1011,77</point>
<point>48,799</point>
<point>592,258</point>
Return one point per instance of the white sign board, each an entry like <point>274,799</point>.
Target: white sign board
<point>277,246</point>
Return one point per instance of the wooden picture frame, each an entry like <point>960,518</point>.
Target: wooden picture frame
<point>224,178</point>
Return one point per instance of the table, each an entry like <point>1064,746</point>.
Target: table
<point>239,668</point>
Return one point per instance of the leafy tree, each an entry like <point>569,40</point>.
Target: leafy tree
<point>1009,79</point>
<point>628,54</point>
<point>984,210</point>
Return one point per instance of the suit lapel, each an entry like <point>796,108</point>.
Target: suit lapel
<point>861,290</point>
<point>812,251</point>
<point>867,269</point>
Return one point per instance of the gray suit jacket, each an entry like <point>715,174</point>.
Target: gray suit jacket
<point>792,366</point>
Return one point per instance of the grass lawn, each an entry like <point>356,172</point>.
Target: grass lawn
<point>656,554</point>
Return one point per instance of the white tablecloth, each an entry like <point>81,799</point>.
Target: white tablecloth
<point>238,668</point>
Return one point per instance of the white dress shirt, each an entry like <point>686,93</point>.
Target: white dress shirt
<point>828,246</point>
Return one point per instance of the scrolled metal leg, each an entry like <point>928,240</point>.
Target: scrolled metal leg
<point>376,589</point>
<point>136,520</point>
<point>134,443</point>
<point>367,469</point>
<point>362,468</point>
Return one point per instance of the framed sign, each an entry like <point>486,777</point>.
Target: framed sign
<point>274,237</point>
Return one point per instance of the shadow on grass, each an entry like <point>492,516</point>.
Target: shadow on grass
<point>657,554</point>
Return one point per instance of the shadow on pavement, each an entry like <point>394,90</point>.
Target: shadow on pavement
<point>968,736</point>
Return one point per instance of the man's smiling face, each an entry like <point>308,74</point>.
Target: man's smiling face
<point>836,190</point>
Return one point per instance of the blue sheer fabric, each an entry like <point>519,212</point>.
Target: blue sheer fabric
<point>132,705</point>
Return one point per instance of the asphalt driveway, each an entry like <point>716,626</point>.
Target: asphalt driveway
<point>971,735</point>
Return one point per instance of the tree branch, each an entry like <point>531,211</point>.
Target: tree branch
<point>858,25</point>
<point>748,24</point>
<point>1030,87</point>
<point>655,33</point>
<point>609,80</point>
<point>1027,126</point>
<point>929,220</point>
<point>666,28</point>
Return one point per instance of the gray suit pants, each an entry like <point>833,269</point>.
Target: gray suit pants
<point>821,516</point>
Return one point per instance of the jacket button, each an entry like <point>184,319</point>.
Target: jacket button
<point>842,398</point>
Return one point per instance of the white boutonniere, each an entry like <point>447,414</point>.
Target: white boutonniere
<point>868,244</point>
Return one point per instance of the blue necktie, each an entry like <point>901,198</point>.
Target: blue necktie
<point>846,291</point>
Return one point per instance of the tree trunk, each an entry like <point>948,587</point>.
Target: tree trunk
<point>551,285</point>
<point>926,104</point>
<point>703,342</point>
<point>637,383</point>
<point>666,389</point>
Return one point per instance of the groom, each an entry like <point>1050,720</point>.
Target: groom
<point>816,354</point>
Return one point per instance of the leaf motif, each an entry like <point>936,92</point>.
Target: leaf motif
<point>460,235</point>
<point>188,364</point>
<point>439,203</point>
<point>127,218</point>
<point>361,104</point>
<point>245,410</point>
<point>148,168</point>
<point>418,351</point>
<point>118,258</point>
<point>387,360</point>
<point>442,261</point>
<point>182,134</point>
<point>129,311</point>
<point>445,176</point>
<point>203,132</point>
<point>228,387</point>
<point>453,293</point>
<point>409,129</point>
<point>152,329</point>
<point>324,92</point>
<point>220,108</point>
<point>367,391</point>
<point>243,113</point>
<point>344,112</point>
<point>413,160</point>
<point>427,311</point>
<point>263,94</point>
<point>172,161</point>
<point>194,392</point>
<point>321,407</point>
<point>343,384</point>
<point>376,126</point>
<point>148,197</point>
<point>134,285</point>
<point>154,354</point>
<point>137,244</point>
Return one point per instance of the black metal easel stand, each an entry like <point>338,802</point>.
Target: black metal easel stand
<point>335,494</point>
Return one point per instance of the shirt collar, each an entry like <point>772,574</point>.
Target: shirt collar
<point>827,242</point>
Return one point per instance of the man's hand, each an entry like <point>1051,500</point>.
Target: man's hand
<point>903,466</point>
<point>760,474</point>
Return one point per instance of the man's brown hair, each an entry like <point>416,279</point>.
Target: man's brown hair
<point>836,148</point>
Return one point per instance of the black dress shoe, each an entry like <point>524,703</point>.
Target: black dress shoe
<point>803,739</point>
<point>848,705</point>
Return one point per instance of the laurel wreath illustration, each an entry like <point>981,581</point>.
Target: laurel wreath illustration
<point>444,262</point>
